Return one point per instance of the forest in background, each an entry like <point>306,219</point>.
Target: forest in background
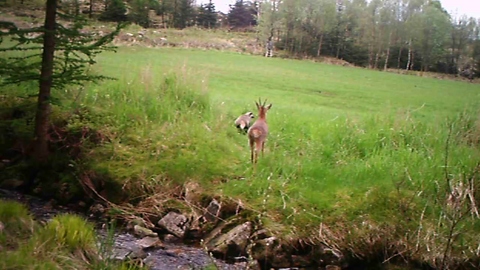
<point>379,34</point>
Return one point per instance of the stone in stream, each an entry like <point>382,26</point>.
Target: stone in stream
<point>124,254</point>
<point>150,242</point>
<point>233,242</point>
<point>142,232</point>
<point>174,223</point>
<point>96,210</point>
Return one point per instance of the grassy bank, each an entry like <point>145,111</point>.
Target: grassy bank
<point>66,242</point>
<point>374,164</point>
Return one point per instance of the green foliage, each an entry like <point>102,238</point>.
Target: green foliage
<point>75,53</point>
<point>340,151</point>
<point>207,16</point>
<point>241,14</point>
<point>66,242</point>
<point>67,231</point>
<point>183,13</point>
<point>16,221</point>
<point>365,32</point>
<point>139,12</point>
<point>115,11</point>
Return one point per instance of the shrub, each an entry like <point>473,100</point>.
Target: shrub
<point>115,11</point>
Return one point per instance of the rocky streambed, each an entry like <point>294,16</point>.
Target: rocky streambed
<point>158,253</point>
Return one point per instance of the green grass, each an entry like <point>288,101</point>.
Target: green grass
<point>359,152</point>
<point>65,242</point>
<point>346,146</point>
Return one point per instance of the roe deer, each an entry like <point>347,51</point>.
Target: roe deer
<point>243,121</point>
<point>257,134</point>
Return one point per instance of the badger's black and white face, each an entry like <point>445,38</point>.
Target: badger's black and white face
<point>250,114</point>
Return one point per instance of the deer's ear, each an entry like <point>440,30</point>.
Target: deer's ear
<point>269,106</point>
<point>258,106</point>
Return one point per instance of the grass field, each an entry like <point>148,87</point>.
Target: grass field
<point>368,155</point>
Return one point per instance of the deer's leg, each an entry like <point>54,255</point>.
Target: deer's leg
<point>263,149</point>
<point>257,150</point>
<point>251,150</point>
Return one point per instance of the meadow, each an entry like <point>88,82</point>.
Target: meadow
<point>346,145</point>
<point>363,161</point>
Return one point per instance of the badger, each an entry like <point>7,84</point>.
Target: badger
<point>243,121</point>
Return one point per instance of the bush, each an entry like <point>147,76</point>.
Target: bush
<point>16,221</point>
<point>68,231</point>
<point>139,13</point>
<point>115,11</point>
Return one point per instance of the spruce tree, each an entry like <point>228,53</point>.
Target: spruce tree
<point>55,56</point>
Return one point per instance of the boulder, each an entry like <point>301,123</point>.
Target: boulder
<point>233,242</point>
<point>213,209</point>
<point>174,223</point>
<point>215,232</point>
<point>143,232</point>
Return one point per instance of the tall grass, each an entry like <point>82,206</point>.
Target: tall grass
<point>359,152</point>
<point>368,162</point>
<point>65,242</point>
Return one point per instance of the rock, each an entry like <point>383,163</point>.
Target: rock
<point>233,242</point>
<point>96,210</point>
<point>137,254</point>
<point>270,250</point>
<point>137,221</point>
<point>129,34</point>
<point>174,223</point>
<point>150,242</point>
<point>142,232</point>
<point>82,204</point>
<point>261,234</point>
<point>263,249</point>
<point>124,254</point>
<point>192,191</point>
<point>213,209</point>
<point>215,232</point>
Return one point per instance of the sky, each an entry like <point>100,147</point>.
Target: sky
<point>471,8</point>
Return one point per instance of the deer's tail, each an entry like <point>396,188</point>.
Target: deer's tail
<point>255,133</point>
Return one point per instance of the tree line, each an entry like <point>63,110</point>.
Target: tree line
<point>173,13</point>
<point>379,34</point>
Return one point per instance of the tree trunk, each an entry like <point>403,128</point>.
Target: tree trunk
<point>409,54</point>
<point>90,11</point>
<point>413,58</point>
<point>370,56</point>
<point>319,51</point>
<point>399,57</point>
<point>385,66</point>
<point>43,107</point>
<point>377,56</point>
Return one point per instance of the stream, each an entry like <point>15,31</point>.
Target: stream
<point>173,255</point>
